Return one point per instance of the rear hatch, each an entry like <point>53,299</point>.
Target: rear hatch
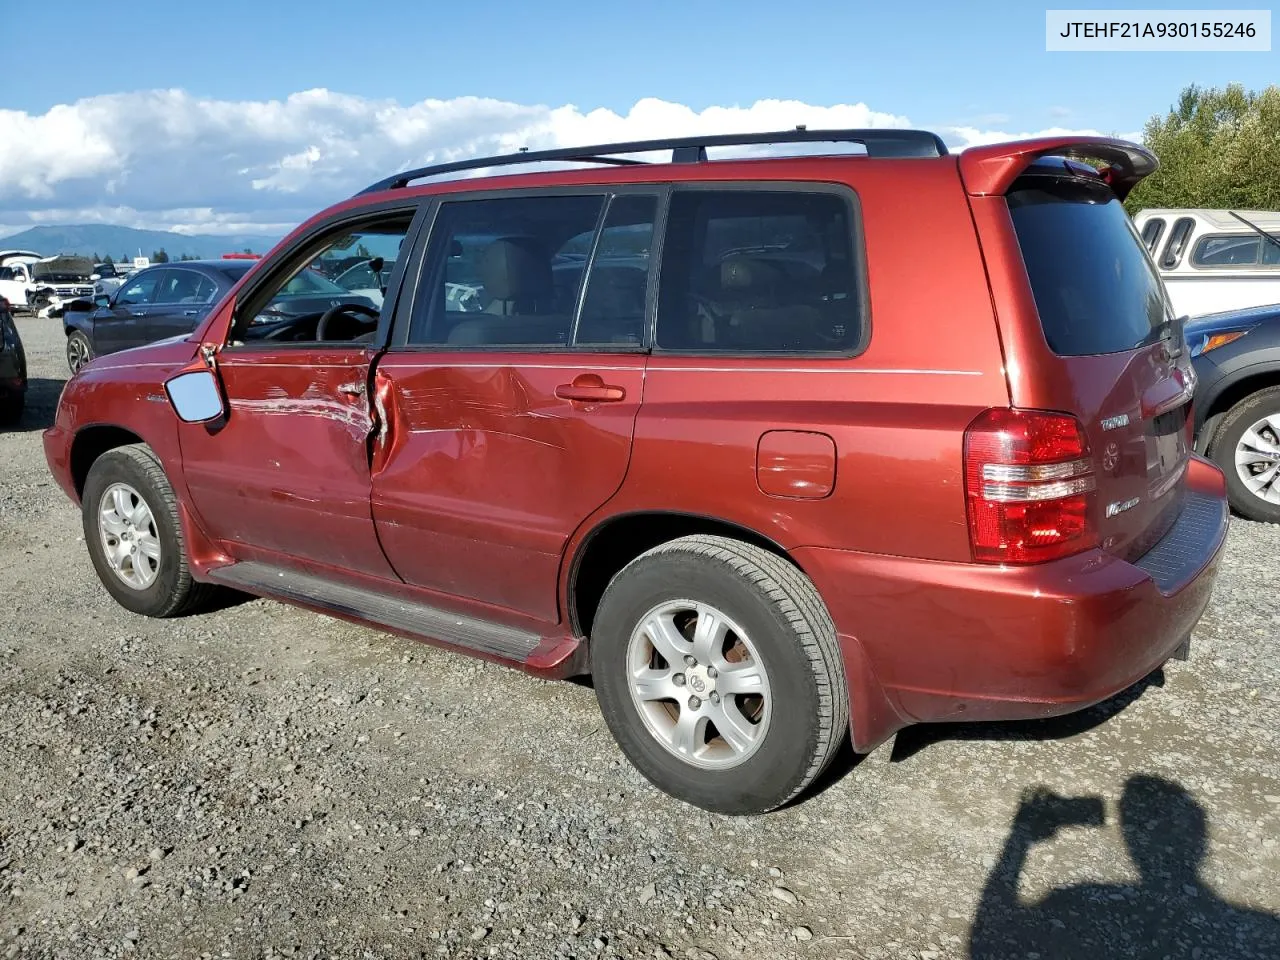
<point>1118,360</point>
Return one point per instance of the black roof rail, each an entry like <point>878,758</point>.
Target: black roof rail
<point>878,143</point>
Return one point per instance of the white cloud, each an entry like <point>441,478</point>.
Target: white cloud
<point>167,159</point>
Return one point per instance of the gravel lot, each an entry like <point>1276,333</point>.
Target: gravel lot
<point>261,782</point>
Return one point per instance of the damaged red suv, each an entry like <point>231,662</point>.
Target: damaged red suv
<point>779,450</point>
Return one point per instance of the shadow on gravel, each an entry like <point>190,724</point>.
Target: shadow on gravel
<point>1170,912</point>
<point>42,405</point>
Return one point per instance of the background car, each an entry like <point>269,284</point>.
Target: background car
<point>13,369</point>
<point>1236,355</point>
<point>169,300</point>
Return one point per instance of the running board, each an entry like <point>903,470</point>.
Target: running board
<point>405,616</point>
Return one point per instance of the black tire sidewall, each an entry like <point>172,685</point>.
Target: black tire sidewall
<point>1242,416</point>
<point>159,598</point>
<point>774,772</point>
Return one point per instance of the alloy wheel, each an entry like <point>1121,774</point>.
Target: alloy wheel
<point>130,540</point>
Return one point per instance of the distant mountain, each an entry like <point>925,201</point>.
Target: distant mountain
<point>116,242</point>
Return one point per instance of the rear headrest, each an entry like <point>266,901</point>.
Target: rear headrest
<point>515,268</point>
<point>746,275</point>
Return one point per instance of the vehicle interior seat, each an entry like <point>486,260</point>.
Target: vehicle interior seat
<point>764,309</point>
<point>516,276</point>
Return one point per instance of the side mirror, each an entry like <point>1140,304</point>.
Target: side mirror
<point>196,397</point>
<point>95,276</point>
<point>102,300</point>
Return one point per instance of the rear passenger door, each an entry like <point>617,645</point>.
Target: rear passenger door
<point>182,300</point>
<point>510,394</point>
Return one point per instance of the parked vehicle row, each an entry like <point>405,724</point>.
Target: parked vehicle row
<point>693,428</point>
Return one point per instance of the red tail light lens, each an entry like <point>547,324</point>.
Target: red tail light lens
<point>1028,483</point>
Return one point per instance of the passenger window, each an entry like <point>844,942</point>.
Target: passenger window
<point>504,272</point>
<point>1226,252</point>
<point>613,310</point>
<point>757,271</point>
<point>177,286</point>
<point>1152,230</point>
<point>140,292</point>
<point>1177,243</point>
<point>304,304</point>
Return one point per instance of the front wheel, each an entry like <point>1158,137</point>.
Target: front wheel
<point>718,671</point>
<point>134,534</point>
<point>79,350</point>
<point>1247,448</point>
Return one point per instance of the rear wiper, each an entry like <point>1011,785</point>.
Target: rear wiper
<point>1256,229</point>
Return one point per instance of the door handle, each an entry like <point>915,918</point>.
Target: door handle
<point>590,388</point>
<point>190,313</point>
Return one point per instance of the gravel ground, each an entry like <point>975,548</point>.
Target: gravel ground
<point>261,782</point>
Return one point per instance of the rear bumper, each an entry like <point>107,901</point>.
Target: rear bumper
<point>930,641</point>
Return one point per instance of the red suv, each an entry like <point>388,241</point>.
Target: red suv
<point>779,450</point>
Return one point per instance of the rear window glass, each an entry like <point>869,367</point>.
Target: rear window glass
<point>1095,288</point>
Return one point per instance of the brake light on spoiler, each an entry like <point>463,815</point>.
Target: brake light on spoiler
<point>991,170</point>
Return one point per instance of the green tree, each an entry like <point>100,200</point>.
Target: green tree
<point>96,258</point>
<point>160,256</point>
<point>1218,148</point>
<point>247,250</point>
<point>108,259</point>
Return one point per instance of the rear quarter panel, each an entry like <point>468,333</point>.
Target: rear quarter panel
<point>896,412</point>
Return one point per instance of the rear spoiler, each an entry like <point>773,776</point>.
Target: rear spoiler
<point>991,170</point>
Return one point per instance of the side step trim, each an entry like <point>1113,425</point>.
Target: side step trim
<point>416,618</point>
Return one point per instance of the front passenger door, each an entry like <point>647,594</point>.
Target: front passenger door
<point>124,324</point>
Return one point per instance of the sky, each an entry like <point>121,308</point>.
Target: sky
<point>243,117</point>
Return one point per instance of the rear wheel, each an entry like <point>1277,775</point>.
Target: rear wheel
<point>79,350</point>
<point>718,671</point>
<point>134,535</point>
<point>1247,448</point>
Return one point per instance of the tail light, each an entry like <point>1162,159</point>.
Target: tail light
<point>1028,483</point>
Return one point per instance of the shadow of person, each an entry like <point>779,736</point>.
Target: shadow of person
<point>1169,913</point>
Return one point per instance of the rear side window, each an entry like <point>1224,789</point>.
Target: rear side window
<point>1177,243</point>
<point>760,271</point>
<point>1152,230</point>
<point>1095,287</point>
<point>505,272</point>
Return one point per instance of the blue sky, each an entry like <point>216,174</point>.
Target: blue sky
<point>959,66</point>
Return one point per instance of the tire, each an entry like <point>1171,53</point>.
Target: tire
<point>11,407</point>
<point>1250,417</point>
<point>792,728</point>
<point>79,350</point>
<point>170,590</point>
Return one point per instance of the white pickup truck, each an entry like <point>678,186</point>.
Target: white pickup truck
<point>1214,260</point>
<point>36,283</point>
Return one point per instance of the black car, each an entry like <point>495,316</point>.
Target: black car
<point>170,300</point>
<point>13,369</point>
<point>1236,356</point>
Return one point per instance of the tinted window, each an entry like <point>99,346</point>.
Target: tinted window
<point>6,273</point>
<point>499,274</point>
<point>1235,251</point>
<point>1095,288</point>
<point>178,286</point>
<point>141,290</point>
<point>1177,243</point>
<point>613,310</point>
<point>1151,232</point>
<point>755,271</point>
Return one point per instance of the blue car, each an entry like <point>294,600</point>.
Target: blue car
<point>171,299</point>
<point>1236,356</point>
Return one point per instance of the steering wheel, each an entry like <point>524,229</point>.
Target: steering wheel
<point>326,320</point>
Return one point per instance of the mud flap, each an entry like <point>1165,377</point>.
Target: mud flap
<point>1184,650</point>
